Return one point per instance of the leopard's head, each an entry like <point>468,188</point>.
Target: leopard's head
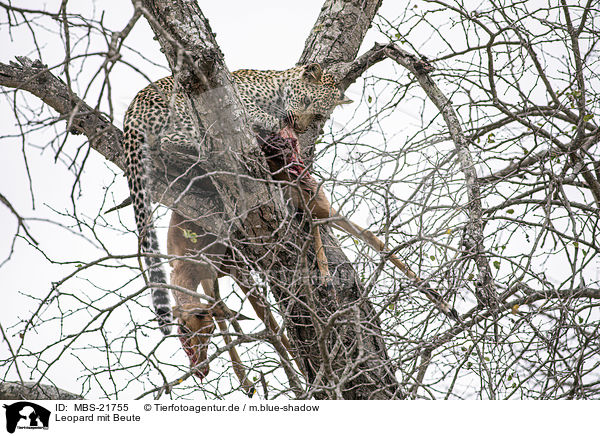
<point>311,96</point>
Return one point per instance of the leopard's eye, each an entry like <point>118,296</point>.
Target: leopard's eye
<point>306,100</point>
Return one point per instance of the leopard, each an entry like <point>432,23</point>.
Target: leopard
<point>275,101</point>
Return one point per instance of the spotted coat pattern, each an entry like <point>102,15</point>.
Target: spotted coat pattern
<point>273,99</point>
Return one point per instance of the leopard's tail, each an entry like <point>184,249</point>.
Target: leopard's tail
<point>137,177</point>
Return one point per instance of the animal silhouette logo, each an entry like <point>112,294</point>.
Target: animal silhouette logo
<point>26,415</point>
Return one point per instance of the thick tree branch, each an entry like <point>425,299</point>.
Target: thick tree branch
<point>351,71</point>
<point>34,391</point>
<point>35,78</point>
<point>473,237</point>
<point>339,32</point>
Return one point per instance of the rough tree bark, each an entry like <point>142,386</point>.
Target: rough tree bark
<point>34,391</point>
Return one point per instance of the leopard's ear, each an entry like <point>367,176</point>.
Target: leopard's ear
<point>312,73</point>
<point>343,100</point>
<point>219,313</point>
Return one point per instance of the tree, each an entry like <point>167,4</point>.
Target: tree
<point>490,191</point>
